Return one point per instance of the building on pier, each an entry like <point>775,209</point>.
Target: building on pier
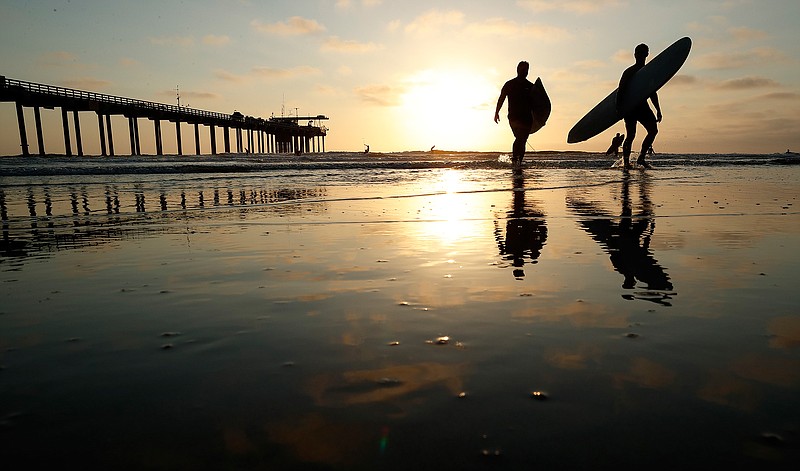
<point>251,134</point>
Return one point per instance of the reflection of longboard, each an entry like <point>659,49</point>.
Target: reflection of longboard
<point>647,81</point>
<point>540,106</point>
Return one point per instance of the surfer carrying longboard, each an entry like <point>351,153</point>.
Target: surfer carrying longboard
<point>520,92</point>
<point>640,113</point>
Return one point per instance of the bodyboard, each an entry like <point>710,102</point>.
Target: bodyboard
<point>644,83</point>
<point>540,106</point>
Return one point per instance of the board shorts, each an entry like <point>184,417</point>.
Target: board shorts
<point>520,127</point>
<point>642,114</point>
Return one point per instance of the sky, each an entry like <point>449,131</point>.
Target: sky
<point>403,75</point>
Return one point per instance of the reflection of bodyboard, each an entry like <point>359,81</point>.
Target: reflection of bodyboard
<point>644,83</point>
<point>540,106</point>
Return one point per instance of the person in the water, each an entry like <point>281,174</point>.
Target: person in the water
<point>518,91</point>
<point>639,112</point>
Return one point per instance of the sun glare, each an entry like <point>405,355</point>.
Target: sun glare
<point>451,211</point>
<point>448,109</point>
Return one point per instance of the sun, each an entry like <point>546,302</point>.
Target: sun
<point>449,109</point>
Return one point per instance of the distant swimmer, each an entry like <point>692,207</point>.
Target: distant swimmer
<point>640,112</point>
<point>616,141</point>
<point>519,91</point>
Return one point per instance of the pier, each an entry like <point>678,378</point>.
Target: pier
<point>250,134</point>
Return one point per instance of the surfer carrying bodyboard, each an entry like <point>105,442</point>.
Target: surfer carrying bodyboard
<point>639,112</point>
<point>528,109</point>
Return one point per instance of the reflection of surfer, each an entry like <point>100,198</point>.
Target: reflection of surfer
<point>616,141</point>
<point>639,112</point>
<point>518,90</point>
<point>627,240</point>
<point>526,231</point>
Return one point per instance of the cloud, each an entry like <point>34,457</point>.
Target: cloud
<point>214,40</point>
<point>62,59</point>
<point>684,80</point>
<point>739,59</point>
<point>780,96</point>
<point>334,44</point>
<point>746,83</point>
<point>434,21</point>
<point>169,95</point>
<point>571,6</point>
<point>229,76</point>
<point>348,3</point>
<point>744,33</point>
<point>505,27</point>
<point>327,90</point>
<point>201,95</point>
<point>381,95</point>
<point>266,73</point>
<point>128,62</point>
<point>86,83</point>
<point>58,57</point>
<point>294,26</point>
<point>294,72</point>
<point>182,41</point>
<point>623,56</point>
<point>344,70</point>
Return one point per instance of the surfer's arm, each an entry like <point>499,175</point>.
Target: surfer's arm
<point>500,101</point>
<point>654,99</point>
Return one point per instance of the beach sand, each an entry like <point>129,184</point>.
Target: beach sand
<point>439,318</point>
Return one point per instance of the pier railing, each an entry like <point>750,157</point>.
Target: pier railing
<point>52,90</point>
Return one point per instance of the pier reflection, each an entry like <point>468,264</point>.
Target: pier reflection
<point>626,238</point>
<point>38,220</point>
<point>525,231</point>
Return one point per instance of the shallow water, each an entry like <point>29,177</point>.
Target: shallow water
<point>290,319</point>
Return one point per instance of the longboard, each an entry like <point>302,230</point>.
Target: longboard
<point>647,81</point>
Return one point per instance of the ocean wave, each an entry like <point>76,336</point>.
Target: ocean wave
<point>239,163</point>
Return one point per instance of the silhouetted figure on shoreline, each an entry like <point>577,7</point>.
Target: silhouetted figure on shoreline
<point>521,107</point>
<point>616,141</point>
<point>639,112</point>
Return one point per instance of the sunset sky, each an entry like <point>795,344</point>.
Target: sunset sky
<point>407,75</point>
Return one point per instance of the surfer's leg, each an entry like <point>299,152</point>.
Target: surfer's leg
<point>630,134</point>
<point>520,131</point>
<point>651,125</point>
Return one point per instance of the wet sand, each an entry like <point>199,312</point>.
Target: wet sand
<point>402,319</point>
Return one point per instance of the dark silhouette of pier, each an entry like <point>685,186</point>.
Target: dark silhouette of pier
<point>273,135</point>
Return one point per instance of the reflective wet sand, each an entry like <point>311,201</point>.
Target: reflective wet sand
<point>253,322</point>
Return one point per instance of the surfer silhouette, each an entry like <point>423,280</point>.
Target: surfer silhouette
<point>639,113</point>
<point>520,107</point>
<point>616,141</point>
